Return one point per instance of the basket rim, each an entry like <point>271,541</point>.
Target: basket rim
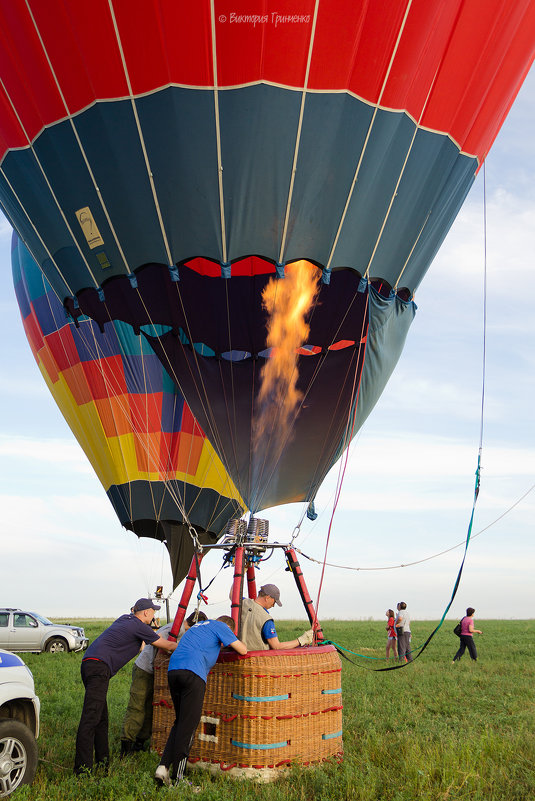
<point>233,656</point>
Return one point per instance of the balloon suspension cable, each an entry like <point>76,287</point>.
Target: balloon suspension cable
<point>426,558</point>
<point>114,392</point>
<point>350,427</point>
<point>420,649</point>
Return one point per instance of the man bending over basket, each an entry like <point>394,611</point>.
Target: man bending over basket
<point>195,656</point>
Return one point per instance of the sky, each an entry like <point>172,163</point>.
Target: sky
<point>408,488</point>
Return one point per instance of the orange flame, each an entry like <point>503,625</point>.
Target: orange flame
<point>287,302</point>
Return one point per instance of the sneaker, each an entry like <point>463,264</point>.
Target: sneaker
<point>162,775</point>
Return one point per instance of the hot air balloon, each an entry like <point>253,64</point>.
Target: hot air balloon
<point>180,168</point>
<point>146,447</point>
<point>164,184</point>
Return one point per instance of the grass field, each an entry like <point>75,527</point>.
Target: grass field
<point>431,730</point>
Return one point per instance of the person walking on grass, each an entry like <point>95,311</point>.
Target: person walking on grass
<point>392,637</point>
<point>467,636</point>
<point>195,656</point>
<point>116,646</point>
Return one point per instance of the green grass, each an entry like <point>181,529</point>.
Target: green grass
<point>432,730</point>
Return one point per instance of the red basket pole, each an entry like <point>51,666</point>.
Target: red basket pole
<point>186,595</point>
<point>295,567</point>
<point>237,589</point>
<point>251,582</point>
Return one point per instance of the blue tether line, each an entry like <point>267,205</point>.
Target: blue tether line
<point>422,648</point>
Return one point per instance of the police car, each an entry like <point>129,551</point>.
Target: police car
<point>19,724</point>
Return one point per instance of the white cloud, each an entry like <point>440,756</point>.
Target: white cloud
<point>24,385</point>
<point>412,457</point>
<point>51,451</point>
<point>510,245</point>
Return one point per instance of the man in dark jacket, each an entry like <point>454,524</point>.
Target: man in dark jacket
<point>116,646</point>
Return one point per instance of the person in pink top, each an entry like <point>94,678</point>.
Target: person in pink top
<point>392,641</point>
<point>467,636</point>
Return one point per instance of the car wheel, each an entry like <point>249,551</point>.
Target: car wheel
<point>18,756</point>
<point>56,646</point>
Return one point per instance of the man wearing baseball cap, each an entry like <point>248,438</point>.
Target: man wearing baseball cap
<point>258,628</point>
<point>116,646</point>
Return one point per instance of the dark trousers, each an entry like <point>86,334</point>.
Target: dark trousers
<point>93,728</point>
<point>466,642</point>
<point>187,691</point>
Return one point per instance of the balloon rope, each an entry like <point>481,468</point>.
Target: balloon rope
<point>71,119</point>
<point>155,455</point>
<point>150,176</point>
<point>478,470</point>
<point>6,211</point>
<point>317,369</point>
<point>427,558</point>
<point>287,437</point>
<point>298,132</point>
<point>368,135</point>
<point>483,372</point>
<point>200,387</point>
<point>232,424</point>
<point>218,135</point>
<point>352,416</point>
<point>82,390</point>
<point>206,402</point>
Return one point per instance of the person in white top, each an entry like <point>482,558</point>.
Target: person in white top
<point>403,630</point>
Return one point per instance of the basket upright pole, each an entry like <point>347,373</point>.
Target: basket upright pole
<point>251,582</point>
<point>186,595</point>
<point>295,568</point>
<point>237,588</point>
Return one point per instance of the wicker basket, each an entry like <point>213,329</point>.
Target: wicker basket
<point>265,710</point>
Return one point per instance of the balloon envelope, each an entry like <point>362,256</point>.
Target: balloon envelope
<point>164,183</point>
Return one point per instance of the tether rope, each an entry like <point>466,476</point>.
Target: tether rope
<point>427,558</point>
<point>422,648</point>
<point>348,435</point>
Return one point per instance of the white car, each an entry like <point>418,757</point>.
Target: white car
<point>28,631</point>
<point>19,724</point>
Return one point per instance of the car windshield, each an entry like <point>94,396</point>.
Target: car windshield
<point>42,619</point>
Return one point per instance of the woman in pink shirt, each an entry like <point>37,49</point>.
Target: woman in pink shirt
<point>392,641</point>
<point>467,636</point>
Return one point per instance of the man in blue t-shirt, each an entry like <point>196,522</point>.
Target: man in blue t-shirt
<point>196,654</point>
<point>116,646</point>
